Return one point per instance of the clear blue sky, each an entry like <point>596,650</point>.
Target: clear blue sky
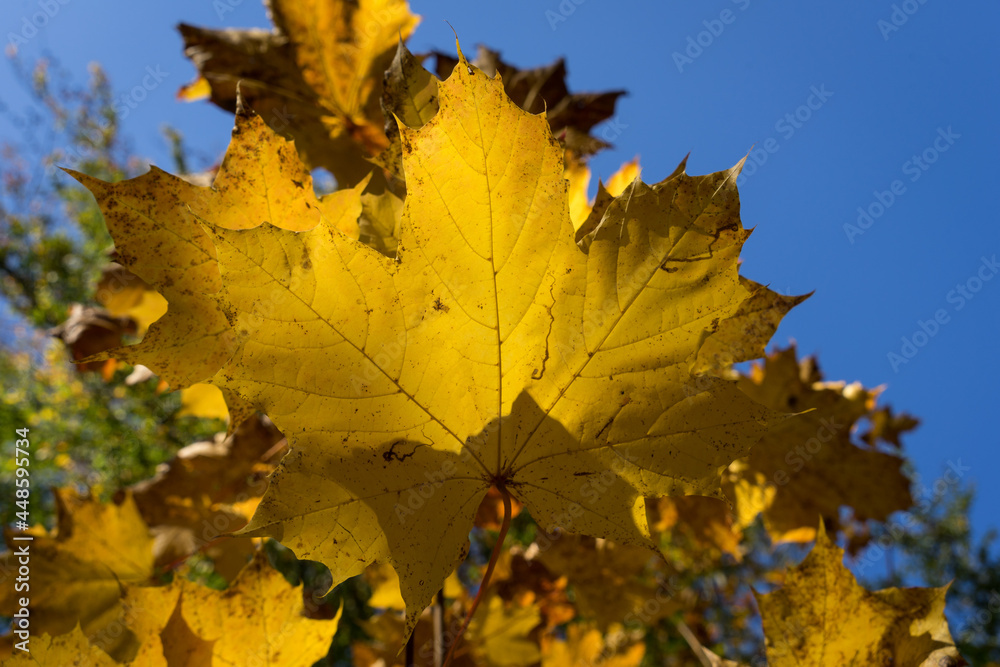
<point>925,87</point>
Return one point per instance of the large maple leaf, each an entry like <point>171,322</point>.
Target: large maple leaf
<point>493,350</point>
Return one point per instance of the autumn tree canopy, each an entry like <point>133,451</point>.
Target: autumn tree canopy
<point>458,341</point>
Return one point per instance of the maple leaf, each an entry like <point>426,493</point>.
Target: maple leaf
<point>807,464</point>
<point>500,633</point>
<point>152,219</point>
<point>153,616</point>
<point>157,239</point>
<point>77,575</point>
<point>257,619</point>
<point>586,647</point>
<point>821,617</point>
<point>494,350</point>
<point>315,77</point>
<point>71,648</point>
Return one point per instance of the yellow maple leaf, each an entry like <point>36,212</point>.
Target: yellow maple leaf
<point>153,615</point>
<point>157,239</point>
<point>257,620</point>
<point>808,465</point>
<point>499,633</point>
<point>492,351</point>
<point>585,646</point>
<point>76,576</point>
<point>153,221</point>
<point>821,617</point>
<point>71,648</point>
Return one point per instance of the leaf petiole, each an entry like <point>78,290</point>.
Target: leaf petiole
<point>484,584</point>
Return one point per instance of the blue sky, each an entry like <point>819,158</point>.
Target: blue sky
<point>887,107</point>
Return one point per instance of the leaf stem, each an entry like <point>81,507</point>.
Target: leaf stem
<point>411,650</point>
<point>484,584</point>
